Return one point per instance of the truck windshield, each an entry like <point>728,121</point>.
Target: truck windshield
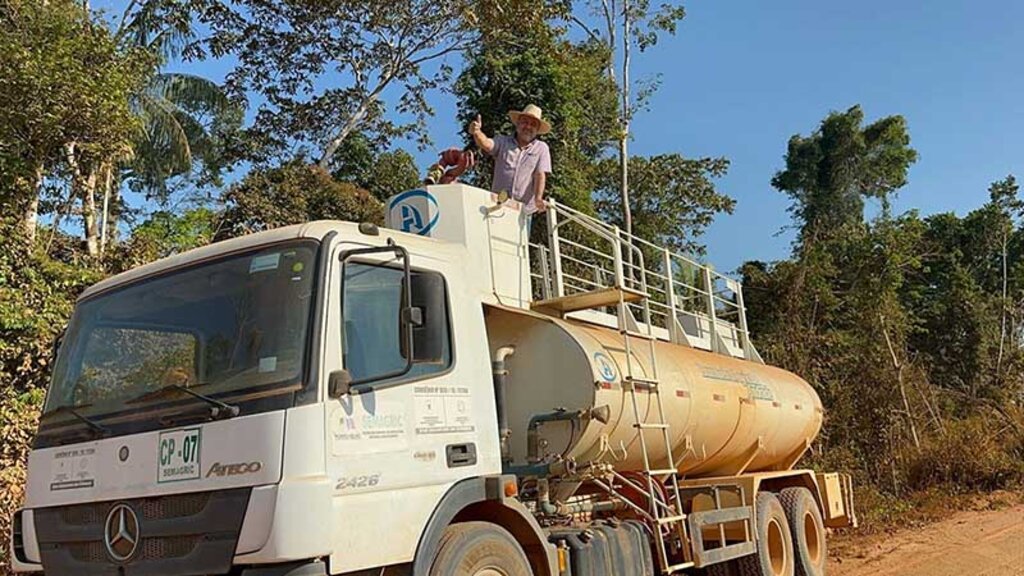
<point>234,329</point>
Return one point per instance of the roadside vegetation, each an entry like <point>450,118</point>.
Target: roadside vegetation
<point>910,326</point>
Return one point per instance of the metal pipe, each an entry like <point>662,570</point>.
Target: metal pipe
<point>568,509</point>
<point>500,374</point>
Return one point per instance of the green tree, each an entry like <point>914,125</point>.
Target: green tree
<point>627,25</point>
<point>326,70</point>
<point>964,298</point>
<point>185,117</point>
<point>835,313</point>
<point>382,174</point>
<point>65,84</point>
<point>37,294</point>
<point>829,173</point>
<point>1005,201</point>
<point>673,199</point>
<point>165,233</point>
<point>291,194</point>
<point>188,122</point>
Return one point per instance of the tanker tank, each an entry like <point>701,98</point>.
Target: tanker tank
<point>726,415</point>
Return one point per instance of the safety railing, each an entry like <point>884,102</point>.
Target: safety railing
<point>691,302</point>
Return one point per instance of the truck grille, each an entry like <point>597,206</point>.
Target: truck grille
<point>180,534</point>
<point>176,506</point>
<point>149,549</point>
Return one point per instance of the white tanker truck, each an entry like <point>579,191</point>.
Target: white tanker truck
<point>439,397</point>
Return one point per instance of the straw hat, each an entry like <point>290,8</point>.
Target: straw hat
<point>533,112</point>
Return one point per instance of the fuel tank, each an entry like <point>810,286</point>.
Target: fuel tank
<point>726,416</point>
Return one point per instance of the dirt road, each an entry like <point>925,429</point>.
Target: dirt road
<point>986,543</point>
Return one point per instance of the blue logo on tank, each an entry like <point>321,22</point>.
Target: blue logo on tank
<point>411,212</point>
<point>606,367</point>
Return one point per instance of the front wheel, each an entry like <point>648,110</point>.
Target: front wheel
<point>479,549</point>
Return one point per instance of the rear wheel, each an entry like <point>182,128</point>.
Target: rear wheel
<point>479,549</point>
<point>808,530</point>
<point>774,556</point>
<point>721,569</point>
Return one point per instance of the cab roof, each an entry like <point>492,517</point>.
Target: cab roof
<point>420,245</point>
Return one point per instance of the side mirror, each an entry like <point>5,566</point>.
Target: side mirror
<point>428,335</point>
<point>339,383</point>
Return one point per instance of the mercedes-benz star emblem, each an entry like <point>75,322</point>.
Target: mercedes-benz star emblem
<point>121,532</point>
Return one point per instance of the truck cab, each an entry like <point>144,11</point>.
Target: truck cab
<point>311,392</point>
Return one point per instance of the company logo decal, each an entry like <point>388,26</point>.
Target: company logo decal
<point>605,367</point>
<point>236,469</point>
<point>411,212</point>
<point>121,532</point>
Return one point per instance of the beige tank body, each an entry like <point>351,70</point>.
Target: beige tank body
<point>727,415</point>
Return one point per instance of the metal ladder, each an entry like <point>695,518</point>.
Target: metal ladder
<point>670,514</point>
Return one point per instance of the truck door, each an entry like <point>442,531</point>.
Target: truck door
<point>415,419</point>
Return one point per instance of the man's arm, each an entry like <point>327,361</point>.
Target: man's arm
<point>540,177</point>
<point>540,180</point>
<point>475,130</point>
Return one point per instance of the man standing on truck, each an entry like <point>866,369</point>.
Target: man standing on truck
<point>521,162</point>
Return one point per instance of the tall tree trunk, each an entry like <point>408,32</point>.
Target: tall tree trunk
<point>351,124</point>
<point>1002,315</point>
<point>898,367</point>
<point>107,180</point>
<point>115,211</point>
<point>84,187</point>
<point>30,219</point>
<point>627,214</point>
<point>92,245</point>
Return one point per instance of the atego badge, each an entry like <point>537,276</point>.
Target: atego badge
<point>236,469</point>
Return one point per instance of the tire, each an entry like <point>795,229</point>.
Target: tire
<point>774,556</point>
<point>721,569</point>
<point>479,549</point>
<point>808,530</point>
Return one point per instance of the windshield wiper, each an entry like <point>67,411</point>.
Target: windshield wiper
<point>97,428</point>
<point>218,410</point>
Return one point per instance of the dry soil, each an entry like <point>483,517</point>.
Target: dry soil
<point>982,543</point>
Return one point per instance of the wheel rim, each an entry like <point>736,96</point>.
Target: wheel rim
<point>811,538</point>
<point>490,571</point>
<point>776,547</point>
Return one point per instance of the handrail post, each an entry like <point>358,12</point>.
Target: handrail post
<point>670,293</point>
<point>545,272</point>
<point>710,287</point>
<point>737,288</point>
<point>553,245</point>
<point>617,253</point>
<point>644,287</point>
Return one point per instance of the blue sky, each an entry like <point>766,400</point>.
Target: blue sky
<point>740,77</point>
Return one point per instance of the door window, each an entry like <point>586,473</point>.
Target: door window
<point>372,337</point>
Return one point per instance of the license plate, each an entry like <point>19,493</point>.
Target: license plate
<point>179,455</point>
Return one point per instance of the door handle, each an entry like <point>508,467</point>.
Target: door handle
<point>460,454</point>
